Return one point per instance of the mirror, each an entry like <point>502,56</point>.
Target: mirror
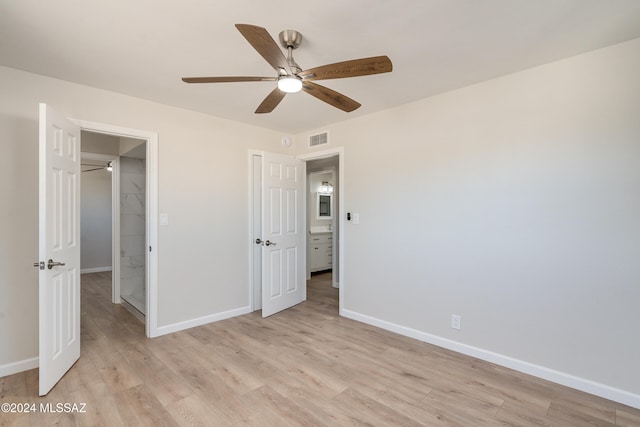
<point>324,206</point>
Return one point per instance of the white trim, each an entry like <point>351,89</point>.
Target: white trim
<point>151,312</point>
<point>115,221</point>
<point>252,302</point>
<point>151,294</point>
<point>95,270</point>
<point>305,228</point>
<point>181,326</point>
<point>322,154</point>
<point>115,227</point>
<point>562,378</point>
<point>19,366</point>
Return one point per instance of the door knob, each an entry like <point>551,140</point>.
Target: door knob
<point>259,241</point>
<point>51,263</point>
<point>268,243</point>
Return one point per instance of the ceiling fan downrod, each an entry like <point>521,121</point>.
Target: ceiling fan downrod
<point>290,40</point>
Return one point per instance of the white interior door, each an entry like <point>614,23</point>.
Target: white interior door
<point>59,264</point>
<point>283,254</point>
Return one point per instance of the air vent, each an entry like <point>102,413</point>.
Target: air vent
<point>319,139</point>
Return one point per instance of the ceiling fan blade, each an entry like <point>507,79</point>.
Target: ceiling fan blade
<point>226,79</point>
<point>266,46</point>
<point>91,170</point>
<point>330,96</point>
<point>353,68</point>
<point>271,101</point>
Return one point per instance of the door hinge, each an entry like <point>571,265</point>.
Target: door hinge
<point>149,248</point>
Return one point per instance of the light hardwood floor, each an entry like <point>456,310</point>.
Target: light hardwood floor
<point>304,366</point>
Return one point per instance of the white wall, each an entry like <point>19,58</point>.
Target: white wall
<point>95,223</point>
<point>100,143</point>
<point>203,186</point>
<point>129,144</point>
<point>514,203</point>
<point>18,234</point>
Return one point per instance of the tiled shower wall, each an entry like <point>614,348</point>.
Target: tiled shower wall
<point>132,231</point>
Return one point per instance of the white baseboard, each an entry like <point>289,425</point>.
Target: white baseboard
<point>562,378</point>
<point>95,270</point>
<point>20,366</point>
<point>180,326</point>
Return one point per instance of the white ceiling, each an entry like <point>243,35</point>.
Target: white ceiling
<point>143,47</point>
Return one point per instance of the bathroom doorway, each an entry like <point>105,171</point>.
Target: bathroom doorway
<point>334,157</point>
<point>322,208</point>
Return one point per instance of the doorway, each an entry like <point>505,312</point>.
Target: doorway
<point>322,206</point>
<point>113,216</point>
<point>139,231</point>
<point>255,254</point>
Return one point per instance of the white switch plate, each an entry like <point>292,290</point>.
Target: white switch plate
<point>455,321</point>
<point>164,219</point>
<point>356,218</point>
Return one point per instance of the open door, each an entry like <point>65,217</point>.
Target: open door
<point>59,246</point>
<point>283,255</point>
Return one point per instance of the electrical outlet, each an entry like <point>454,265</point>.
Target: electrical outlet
<point>455,321</point>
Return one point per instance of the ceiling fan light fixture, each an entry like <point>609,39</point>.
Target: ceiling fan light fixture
<point>290,84</point>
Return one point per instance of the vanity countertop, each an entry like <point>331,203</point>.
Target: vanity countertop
<point>320,229</point>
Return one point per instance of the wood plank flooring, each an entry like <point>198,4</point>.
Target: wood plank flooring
<point>303,367</point>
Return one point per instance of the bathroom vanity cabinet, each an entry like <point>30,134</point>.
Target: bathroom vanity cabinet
<point>320,249</point>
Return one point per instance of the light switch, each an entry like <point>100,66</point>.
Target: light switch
<point>164,219</point>
<point>356,218</point>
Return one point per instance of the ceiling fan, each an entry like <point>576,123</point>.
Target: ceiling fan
<point>291,78</point>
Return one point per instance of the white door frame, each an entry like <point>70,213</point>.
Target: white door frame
<point>255,231</point>
<point>151,261</point>
<point>339,151</point>
<point>323,154</point>
<point>115,219</point>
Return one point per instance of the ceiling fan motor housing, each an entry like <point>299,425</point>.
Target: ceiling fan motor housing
<point>290,39</point>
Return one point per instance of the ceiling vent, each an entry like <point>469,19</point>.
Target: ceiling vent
<point>319,139</point>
